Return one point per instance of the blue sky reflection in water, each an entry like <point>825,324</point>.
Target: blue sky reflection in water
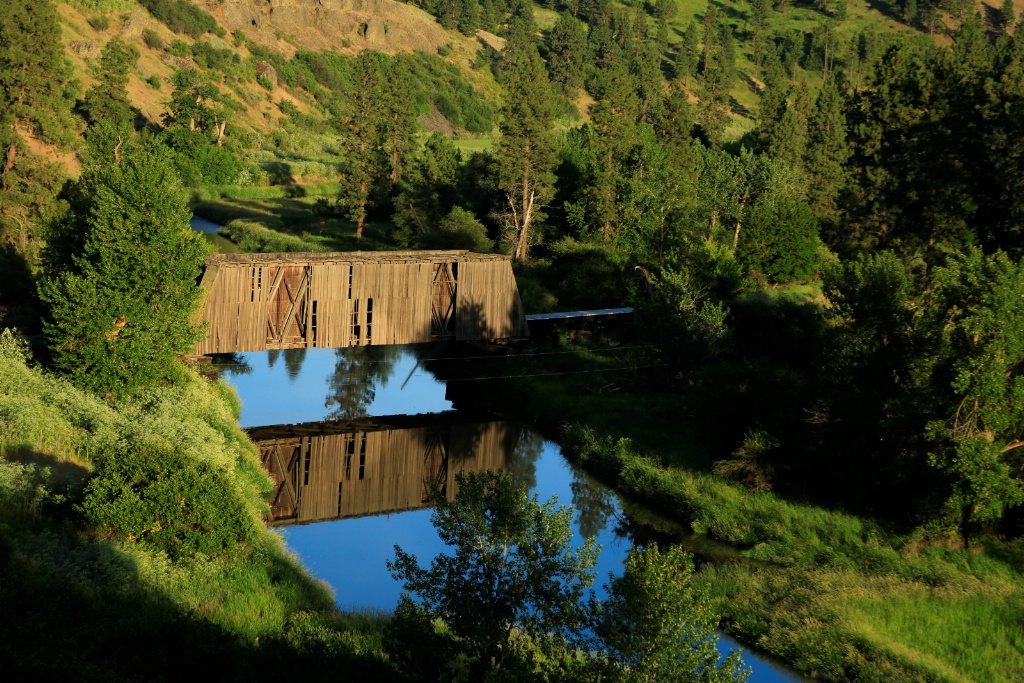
<point>349,554</point>
<point>287,387</point>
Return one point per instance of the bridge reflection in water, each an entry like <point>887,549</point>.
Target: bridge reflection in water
<point>334,470</point>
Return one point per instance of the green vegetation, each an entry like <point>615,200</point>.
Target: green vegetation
<point>98,595</point>
<point>818,219</point>
<point>183,17</point>
<point>510,600</point>
<point>125,254</point>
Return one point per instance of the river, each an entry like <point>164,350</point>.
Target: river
<point>354,493</point>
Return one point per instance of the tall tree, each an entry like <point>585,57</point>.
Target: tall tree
<point>827,151</point>
<point>718,76</point>
<point>567,60</point>
<point>526,150</point>
<point>108,99</point>
<point>361,131</point>
<point>397,129</point>
<point>121,302</point>
<point>614,116</point>
<point>688,55</point>
<point>36,96</point>
<point>428,192</point>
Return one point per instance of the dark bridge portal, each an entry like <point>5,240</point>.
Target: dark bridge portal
<point>326,470</point>
<point>255,302</point>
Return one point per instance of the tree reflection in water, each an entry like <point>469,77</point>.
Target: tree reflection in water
<point>293,360</point>
<point>357,373</point>
<point>522,463</point>
<point>594,503</point>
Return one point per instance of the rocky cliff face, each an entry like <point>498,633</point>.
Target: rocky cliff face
<point>336,25</point>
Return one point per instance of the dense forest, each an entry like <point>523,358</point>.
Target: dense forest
<point>816,209</point>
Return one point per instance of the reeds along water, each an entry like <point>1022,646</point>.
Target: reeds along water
<point>326,476</point>
<point>254,302</point>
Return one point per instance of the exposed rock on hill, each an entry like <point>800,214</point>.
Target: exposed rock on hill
<point>336,25</point>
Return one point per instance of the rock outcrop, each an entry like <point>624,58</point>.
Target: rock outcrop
<point>336,25</point>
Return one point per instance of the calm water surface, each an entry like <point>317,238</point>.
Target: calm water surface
<point>281,387</point>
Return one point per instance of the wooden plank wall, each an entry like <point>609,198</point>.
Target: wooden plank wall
<point>354,474</point>
<point>389,300</point>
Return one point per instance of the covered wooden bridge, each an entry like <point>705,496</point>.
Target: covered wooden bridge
<point>254,302</point>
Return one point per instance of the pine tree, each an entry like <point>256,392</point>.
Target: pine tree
<point>397,128</point>
<point>108,99</point>
<point>361,131</point>
<point>526,150</point>
<point>1007,15</point>
<point>688,54</point>
<point>614,116</point>
<point>35,102</point>
<point>121,299</point>
<point>567,59</point>
<point>827,151</point>
<point>428,191</point>
<point>718,76</point>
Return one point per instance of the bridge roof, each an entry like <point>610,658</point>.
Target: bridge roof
<point>313,257</point>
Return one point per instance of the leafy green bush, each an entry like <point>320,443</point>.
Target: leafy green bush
<point>183,17</point>
<point>154,494</point>
<point>154,82</point>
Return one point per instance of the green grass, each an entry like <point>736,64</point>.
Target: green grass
<point>288,224</point>
<point>93,608</point>
<point>212,193</point>
<point>469,145</point>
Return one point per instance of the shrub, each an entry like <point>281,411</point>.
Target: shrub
<point>179,48</point>
<point>150,493</point>
<point>154,82</point>
<point>100,22</point>
<point>152,39</point>
<point>183,17</point>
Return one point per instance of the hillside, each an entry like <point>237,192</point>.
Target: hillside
<point>254,37</point>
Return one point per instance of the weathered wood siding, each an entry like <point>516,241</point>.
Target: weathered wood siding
<point>255,302</point>
<point>332,476</point>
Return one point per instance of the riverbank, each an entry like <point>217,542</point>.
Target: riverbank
<point>285,218</point>
<point>833,595</point>
<point>112,577</point>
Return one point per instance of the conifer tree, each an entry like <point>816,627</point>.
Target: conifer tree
<point>614,115</point>
<point>688,54</point>
<point>1007,15</point>
<point>567,59</point>
<point>718,76</point>
<point>35,102</point>
<point>526,150</point>
<point>827,151</point>
<point>428,191</point>
<point>361,130</point>
<point>108,99</point>
<point>121,301</point>
<point>397,128</point>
